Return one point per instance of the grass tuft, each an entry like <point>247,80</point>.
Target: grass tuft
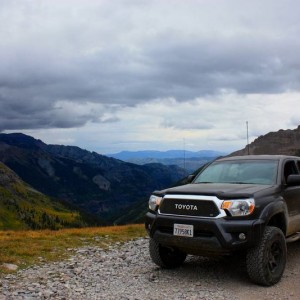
<point>25,248</point>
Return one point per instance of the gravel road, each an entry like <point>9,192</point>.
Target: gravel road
<point>126,272</point>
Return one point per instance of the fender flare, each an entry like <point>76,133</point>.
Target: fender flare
<point>273,208</point>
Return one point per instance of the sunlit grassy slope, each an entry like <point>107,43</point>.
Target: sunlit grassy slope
<point>24,248</point>
<point>22,207</point>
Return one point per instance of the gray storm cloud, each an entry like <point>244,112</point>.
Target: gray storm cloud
<point>125,53</point>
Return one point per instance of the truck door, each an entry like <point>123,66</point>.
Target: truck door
<point>291,194</point>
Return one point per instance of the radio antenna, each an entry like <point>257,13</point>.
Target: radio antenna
<point>247,138</point>
<point>184,154</point>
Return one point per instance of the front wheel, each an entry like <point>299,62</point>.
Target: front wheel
<point>165,257</point>
<point>266,262</point>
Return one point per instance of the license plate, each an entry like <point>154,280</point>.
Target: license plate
<point>183,230</point>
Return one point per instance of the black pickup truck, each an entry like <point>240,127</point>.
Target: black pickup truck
<point>234,205</point>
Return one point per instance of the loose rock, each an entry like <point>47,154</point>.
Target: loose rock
<point>126,272</point>
<point>10,267</point>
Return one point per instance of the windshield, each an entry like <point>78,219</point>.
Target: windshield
<point>240,171</point>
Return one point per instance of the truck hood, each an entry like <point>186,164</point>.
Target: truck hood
<point>221,190</point>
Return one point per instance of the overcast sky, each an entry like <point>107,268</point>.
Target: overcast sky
<point>109,75</point>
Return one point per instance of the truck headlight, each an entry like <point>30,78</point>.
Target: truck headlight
<point>239,207</point>
<point>154,202</point>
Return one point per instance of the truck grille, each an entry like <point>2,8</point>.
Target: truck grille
<point>189,207</point>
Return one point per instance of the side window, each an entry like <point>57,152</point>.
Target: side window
<point>298,165</point>
<point>290,168</point>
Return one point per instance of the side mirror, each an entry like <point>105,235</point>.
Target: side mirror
<point>293,180</point>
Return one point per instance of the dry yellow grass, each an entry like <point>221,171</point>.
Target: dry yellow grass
<point>24,248</point>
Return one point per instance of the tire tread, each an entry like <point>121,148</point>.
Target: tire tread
<point>255,258</point>
<point>162,258</point>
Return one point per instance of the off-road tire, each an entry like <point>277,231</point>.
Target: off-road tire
<point>266,262</point>
<point>165,257</point>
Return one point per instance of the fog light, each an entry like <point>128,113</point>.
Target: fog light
<point>242,236</point>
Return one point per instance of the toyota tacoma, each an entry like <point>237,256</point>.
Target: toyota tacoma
<point>243,204</point>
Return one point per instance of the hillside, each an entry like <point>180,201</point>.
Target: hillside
<point>285,142</point>
<point>100,186</point>
<point>22,207</point>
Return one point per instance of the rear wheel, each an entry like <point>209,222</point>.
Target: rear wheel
<point>266,262</point>
<point>166,257</point>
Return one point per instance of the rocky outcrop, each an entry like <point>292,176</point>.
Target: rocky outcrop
<point>102,183</point>
<point>282,142</point>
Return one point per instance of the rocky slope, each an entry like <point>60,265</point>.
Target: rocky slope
<point>286,142</point>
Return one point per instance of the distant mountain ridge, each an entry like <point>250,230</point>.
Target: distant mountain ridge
<point>126,155</point>
<point>188,160</point>
<point>101,186</point>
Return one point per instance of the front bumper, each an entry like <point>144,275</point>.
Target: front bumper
<point>212,236</point>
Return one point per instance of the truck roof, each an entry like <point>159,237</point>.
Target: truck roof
<point>258,157</point>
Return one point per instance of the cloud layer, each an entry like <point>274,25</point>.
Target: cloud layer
<point>69,64</point>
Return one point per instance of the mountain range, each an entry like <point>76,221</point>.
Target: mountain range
<point>125,155</point>
<point>188,160</point>
<point>102,187</point>
<point>53,186</point>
